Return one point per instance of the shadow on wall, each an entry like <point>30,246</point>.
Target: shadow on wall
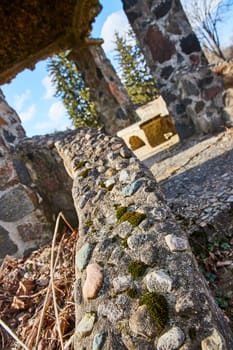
<point>158,130</point>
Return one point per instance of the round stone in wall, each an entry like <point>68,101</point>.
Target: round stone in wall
<point>214,342</point>
<point>158,281</point>
<point>176,244</point>
<point>171,340</point>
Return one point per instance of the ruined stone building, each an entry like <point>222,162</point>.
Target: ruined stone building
<point>151,294</point>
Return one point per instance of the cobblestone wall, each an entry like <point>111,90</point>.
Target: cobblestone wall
<point>192,92</point>
<point>138,285</point>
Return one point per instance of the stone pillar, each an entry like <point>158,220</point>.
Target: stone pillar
<point>11,130</point>
<point>137,283</point>
<point>112,101</point>
<point>192,92</point>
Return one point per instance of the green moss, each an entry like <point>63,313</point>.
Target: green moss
<point>120,211</point>
<point>124,243</point>
<point>137,268</point>
<point>88,223</point>
<point>133,218</point>
<point>80,164</point>
<point>110,187</point>
<point>84,173</point>
<point>131,292</point>
<point>157,307</point>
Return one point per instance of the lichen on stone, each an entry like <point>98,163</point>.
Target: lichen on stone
<point>137,268</point>
<point>157,307</point>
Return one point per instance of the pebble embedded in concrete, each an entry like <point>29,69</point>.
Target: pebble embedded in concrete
<point>85,326</point>
<point>98,341</point>
<point>214,342</point>
<point>158,281</point>
<point>176,244</point>
<point>121,283</point>
<point>130,189</point>
<point>93,282</point>
<point>83,255</point>
<point>141,324</point>
<point>171,340</point>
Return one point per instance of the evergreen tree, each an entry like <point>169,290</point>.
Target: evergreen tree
<point>133,69</point>
<point>70,86</point>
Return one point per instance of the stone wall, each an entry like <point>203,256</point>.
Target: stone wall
<point>137,282</point>
<point>11,129</point>
<point>193,94</point>
<point>34,186</point>
<point>112,102</point>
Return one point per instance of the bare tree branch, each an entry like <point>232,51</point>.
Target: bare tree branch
<point>205,17</point>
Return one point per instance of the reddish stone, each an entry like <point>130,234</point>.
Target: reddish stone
<point>2,121</point>
<point>195,59</point>
<point>93,281</point>
<point>8,175</point>
<point>212,92</point>
<point>160,46</point>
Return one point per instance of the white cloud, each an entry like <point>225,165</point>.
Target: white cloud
<point>116,22</point>
<point>57,112</point>
<point>20,100</point>
<point>28,114</point>
<point>57,119</point>
<point>49,87</point>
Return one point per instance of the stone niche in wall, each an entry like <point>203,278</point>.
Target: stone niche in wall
<point>158,130</point>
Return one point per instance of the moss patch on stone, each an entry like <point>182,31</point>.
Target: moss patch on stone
<point>133,217</point>
<point>131,292</point>
<point>107,188</point>
<point>157,307</point>
<point>137,268</point>
<point>110,187</point>
<point>80,164</point>
<point>84,173</point>
<point>88,223</point>
<point>124,243</point>
<point>120,211</point>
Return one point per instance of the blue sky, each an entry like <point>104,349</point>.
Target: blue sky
<point>31,92</point>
